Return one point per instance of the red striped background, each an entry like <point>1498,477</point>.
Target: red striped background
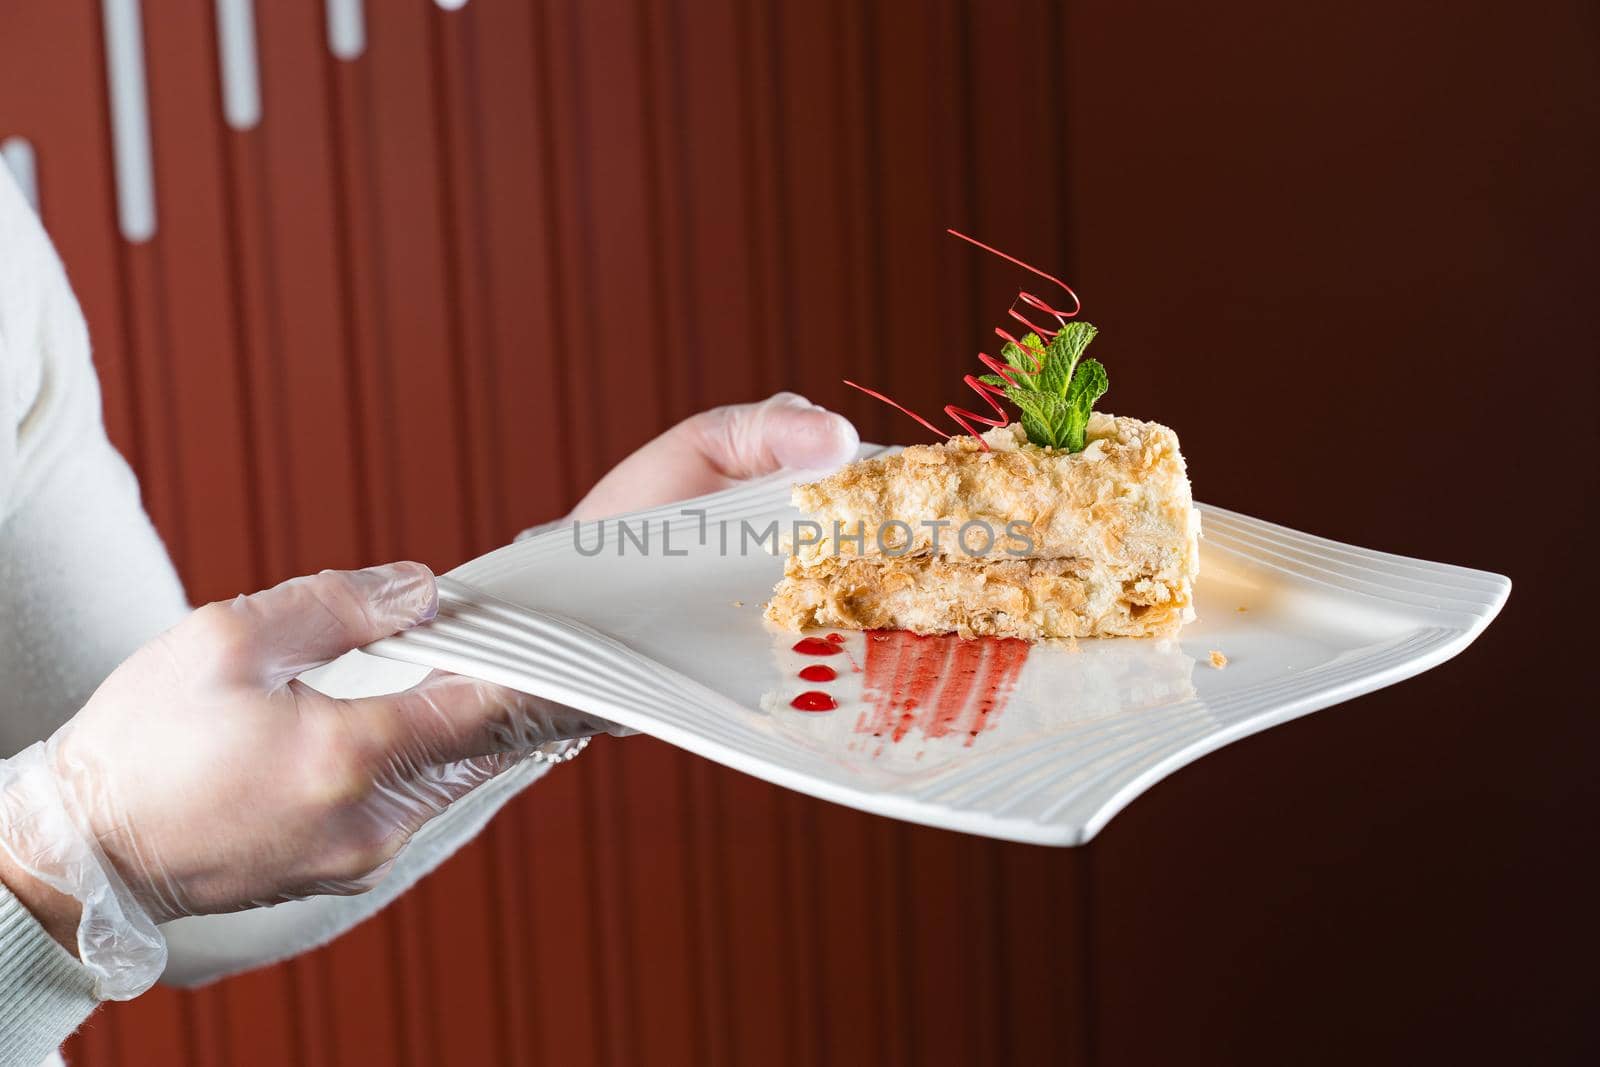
<point>441,287</point>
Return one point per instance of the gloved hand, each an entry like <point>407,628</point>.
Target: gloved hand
<point>203,777</point>
<point>719,448</point>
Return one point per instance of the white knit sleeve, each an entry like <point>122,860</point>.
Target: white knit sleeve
<point>45,994</point>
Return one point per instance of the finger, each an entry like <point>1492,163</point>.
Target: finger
<point>434,788</point>
<point>303,622</point>
<point>784,431</point>
<point>448,717</point>
<point>715,449</point>
<point>389,815</point>
<point>407,805</point>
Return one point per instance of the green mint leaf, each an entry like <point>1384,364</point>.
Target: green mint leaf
<point>1062,355</point>
<point>1057,399</point>
<point>1038,432</point>
<point>1088,385</point>
<point>1043,415</point>
<point>1026,358</point>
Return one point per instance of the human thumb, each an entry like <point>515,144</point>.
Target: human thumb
<point>276,634</point>
<point>784,431</point>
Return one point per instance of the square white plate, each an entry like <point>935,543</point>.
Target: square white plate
<point>675,646</point>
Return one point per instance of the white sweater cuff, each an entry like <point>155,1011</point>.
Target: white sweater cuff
<point>45,994</point>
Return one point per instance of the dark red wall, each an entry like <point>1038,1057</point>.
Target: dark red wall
<point>1347,250</point>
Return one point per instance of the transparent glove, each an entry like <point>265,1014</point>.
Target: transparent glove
<point>719,448</point>
<point>203,777</point>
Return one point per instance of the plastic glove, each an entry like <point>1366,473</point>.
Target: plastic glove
<point>202,777</point>
<point>719,448</point>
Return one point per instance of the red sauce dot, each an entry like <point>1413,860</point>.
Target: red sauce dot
<point>816,646</point>
<point>819,672</point>
<point>813,701</point>
<point>837,639</point>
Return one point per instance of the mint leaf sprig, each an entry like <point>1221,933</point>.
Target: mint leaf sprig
<point>1057,397</point>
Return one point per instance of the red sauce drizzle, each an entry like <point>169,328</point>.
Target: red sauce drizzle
<point>816,646</point>
<point>986,392</point>
<point>814,701</point>
<point>818,672</point>
<point>937,685</point>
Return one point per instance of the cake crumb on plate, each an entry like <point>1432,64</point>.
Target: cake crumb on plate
<point>1218,660</point>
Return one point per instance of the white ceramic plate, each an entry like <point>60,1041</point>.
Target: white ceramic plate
<point>675,646</point>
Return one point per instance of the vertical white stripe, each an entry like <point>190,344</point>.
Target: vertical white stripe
<point>17,152</point>
<point>451,5</point>
<point>130,119</point>
<point>236,49</point>
<point>347,28</point>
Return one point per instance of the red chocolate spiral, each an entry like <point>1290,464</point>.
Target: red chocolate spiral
<point>1005,371</point>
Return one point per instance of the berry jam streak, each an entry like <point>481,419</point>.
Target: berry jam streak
<point>937,686</point>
